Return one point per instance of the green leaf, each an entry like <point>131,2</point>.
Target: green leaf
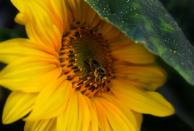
<point>147,22</point>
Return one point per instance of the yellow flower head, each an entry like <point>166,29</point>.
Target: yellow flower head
<point>76,72</point>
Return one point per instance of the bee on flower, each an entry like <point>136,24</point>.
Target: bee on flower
<point>76,72</point>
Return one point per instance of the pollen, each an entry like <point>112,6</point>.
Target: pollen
<point>86,61</point>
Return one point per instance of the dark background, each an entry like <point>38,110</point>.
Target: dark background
<point>177,90</point>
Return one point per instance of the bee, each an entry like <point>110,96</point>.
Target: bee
<point>98,71</point>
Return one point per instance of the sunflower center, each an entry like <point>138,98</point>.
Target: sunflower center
<point>86,61</point>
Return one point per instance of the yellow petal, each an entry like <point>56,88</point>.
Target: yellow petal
<point>142,101</point>
<point>41,125</point>
<point>115,117</point>
<point>94,126</point>
<point>51,100</point>
<point>139,120</point>
<point>76,7</point>
<point>17,106</point>
<point>84,112</point>
<point>102,117</point>
<point>56,11</point>
<point>12,50</point>
<point>125,109</point>
<point>62,14</point>
<point>109,32</point>
<point>42,21</point>
<point>149,77</point>
<point>83,13</point>
<point>68,120</point>
<point>23,75</point>
<point>90,17</point>
<point>133,53</point>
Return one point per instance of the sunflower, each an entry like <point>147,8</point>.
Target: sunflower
<point>76,72</point>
